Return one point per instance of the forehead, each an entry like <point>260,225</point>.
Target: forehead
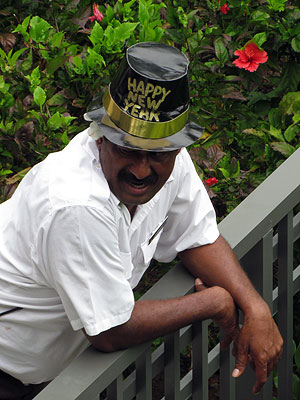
<point>134,152</point>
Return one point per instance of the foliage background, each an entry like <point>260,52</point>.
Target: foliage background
<point>54,61</point>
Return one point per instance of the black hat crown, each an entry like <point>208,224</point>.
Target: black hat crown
<point>151,86</point>
<point>149,99</point>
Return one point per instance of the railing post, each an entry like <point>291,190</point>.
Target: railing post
<point>200,360</point>
<point>227,383</point>
<point>172,366</point>
<point>114,390</point>
<point>285,305</point>
<point>144,376</point>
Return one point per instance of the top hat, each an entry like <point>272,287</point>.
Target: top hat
<point>146,106</point>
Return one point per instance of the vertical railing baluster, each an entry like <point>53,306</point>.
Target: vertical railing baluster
<point>144,376</point>
<point>200,360</point>
<point>115,389</point>
<point>172,366</point>
<point>227,383</point>
<point>285,305</point>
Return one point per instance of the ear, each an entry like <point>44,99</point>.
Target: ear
<point>99,142</point>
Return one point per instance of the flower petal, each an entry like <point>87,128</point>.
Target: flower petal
<point>241,64</point>
<point>252,67</point>
<point>260,57</point>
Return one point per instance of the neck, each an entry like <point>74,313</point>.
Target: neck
<point>131,209</point>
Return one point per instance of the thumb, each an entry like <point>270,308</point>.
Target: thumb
<point>240,364</point>
<point>199,285</point>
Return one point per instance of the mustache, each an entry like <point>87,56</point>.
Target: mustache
<point>128,177</point>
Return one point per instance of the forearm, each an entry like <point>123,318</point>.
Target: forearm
<point>153,318</point>
<point>216,264</point>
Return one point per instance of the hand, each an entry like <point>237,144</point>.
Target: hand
<point>261,344</point>
<point>227,316</point>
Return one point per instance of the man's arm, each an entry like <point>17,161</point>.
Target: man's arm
<point>153,318</point>
<point>259,339</point>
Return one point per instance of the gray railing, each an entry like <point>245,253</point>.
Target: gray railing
<point>262,231</point>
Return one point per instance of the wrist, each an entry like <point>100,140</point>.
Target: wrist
<point>256,308</point>
<point>223,302</point>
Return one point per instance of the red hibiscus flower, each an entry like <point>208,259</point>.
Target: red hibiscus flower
<point>250,57</point>
<point>98,16</point>
<point>211,181</point>
<point>224,9</point>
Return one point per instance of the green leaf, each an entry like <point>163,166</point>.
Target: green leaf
<point>260,38</point>
<point>26,64</point>
<point>277,5</point>
<point>39,29</point>
<point>143,12</point>
<point>22,28</point>
<point>259,16</point>
<point>5,171</point>
<point>296,44</point>
<point>39,96</point>
<point>3,54</point>
<point>34,78</point>
<point>57,100</point>
<point>283,148</point>
<point>6,153</point>
<point>55,63</point>
<point>96,35</point>
<point>94,60</point>
<point>225,173</point>
<point>12,60</point>
<point>276,133</point>
<point>296,118</point>
<point>125,30</point>
<point>37,116</point>
<point>109,33</point>
<point>64,138</point>
<point>255,132</point>
<point>290,103</point>
<point>221,51</point>
<point>56,39</point>
<point>291,132</point>
<point>68,119</point>
<point>55,122</point>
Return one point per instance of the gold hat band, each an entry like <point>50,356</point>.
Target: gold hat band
<point>140,127</point>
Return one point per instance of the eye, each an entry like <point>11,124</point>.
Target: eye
<point>126,152</point>
<point>159,156</point>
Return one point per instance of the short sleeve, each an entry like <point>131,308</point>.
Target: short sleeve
<point>80,258</point>
<point>191,217</point>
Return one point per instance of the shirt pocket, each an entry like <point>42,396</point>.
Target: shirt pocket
<point>127,264</point>
<point>149,246</point>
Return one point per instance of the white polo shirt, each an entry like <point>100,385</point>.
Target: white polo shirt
<point>70,254</point>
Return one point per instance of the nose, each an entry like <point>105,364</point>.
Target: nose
<point>140,167</point>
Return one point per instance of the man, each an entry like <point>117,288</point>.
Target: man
<point>84,224</point>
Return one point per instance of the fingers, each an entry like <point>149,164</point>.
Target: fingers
<point>241,360</point>
<point>225,342</point>
<point>261,370</point>
<point>199,285</point>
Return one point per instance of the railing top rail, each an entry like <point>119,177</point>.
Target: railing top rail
<point>264,207</point>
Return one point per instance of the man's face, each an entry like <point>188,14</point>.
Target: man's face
<point>134,176</point>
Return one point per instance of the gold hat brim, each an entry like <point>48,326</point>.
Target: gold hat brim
<point>185,137</point>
